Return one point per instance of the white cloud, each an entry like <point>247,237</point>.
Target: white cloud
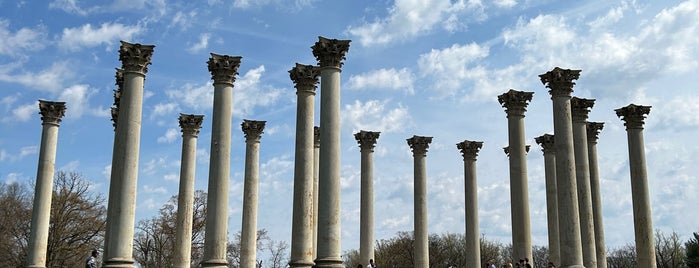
<point>24,39</point>
<point>23,112</point>
<point>172,177</point>
<point>154,190</point>
<point>373,115</point>
<point>50,79</point>
<point>107,34</point>
<point>449,67</point>
<point>202,44</point>
<point>162,109</point>
<point>183,20</point>
<point>291,5</point>
<point>680,112</point>
<point>170,136</point>
<point>69,6</point>
<point>28,150</point>
<point>505,3</point>
<point>77,98</point>
<point>250,92</point>
<point>402,79</point>
<point>70,166</point>
<point>198,97</point>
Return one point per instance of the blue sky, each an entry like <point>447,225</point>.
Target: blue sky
<point>430,68</point>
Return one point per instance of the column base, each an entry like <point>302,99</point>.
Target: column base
<point>329,262</point>
<point>118,263</point>
<point>301,263</point>
<point>573,266</point>
<point>35,266</point>
<point>215,263</point>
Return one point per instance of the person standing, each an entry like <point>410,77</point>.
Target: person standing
<point>491,264</point>
<point>371,264</point>
<point>92,260</point>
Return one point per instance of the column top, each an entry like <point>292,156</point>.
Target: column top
<point>115,115</point>
<point>580,108</point>
<point>330,52</point>
<point>366,139</point>
<point>223,68</point>
<point>135,57</point>
<point>469,149</point>
<point>593,130</point>
<point>316,136</point>
<point>560,81</point>
<point>515,102</point>
<point>633,115</point>
<point>119,78</point>
<point>51,111</point>
<point>507,149</point>
<point>547,143</point>
<point>419,144</point>
<point>190,124</point>
<point>253,130</point>
<point>305,77</point>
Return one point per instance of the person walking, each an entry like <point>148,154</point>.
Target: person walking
<point>91,261</point>
<point>371,264</point>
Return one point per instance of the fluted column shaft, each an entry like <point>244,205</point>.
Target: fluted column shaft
<point>122,198</point>
<point>248,234</point>
<point>330,53</point>
<point>593,129</point>
<point>51,114</point>
<point>547,146</point>
<point>516,103</point>
<point>190,125</point>
<point>419,145</point>
<point>316,167</point>
<point>579,111</point>
<point>223,69</point>
<point>367,140</point>
<point>469,150</point>
<point>560,82</point>
<point>633,115</point>
<point>305,77</point>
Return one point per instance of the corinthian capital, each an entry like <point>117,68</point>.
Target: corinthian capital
<point>135,57</point>
<point>515,102</point>
<point>469,149</point>
<point>305,77</point>
<point>223,68</point>
<point>593,130</point>
<point>560,81</point>
<point>253,130</point>
<point>330,52</point>
<point>546,142</point>
<point>190,124</point>
<point>51,111</point>
<point>633,115</point>
<point>316,136</point>
<point>419,145</point>
<point>507,149</point>
<point>580,108</point>
<point>115,115</point>
<point>366,139</point>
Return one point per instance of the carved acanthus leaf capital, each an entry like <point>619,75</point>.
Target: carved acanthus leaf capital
<point>507,149</point>
<point>419,145</point>
<point>580,108</point>
<point>119,79</point>
<point>469,149</point>
<point>115,116</point>
<point>547,143</point>
<point>560,81</point>
<point>330,52</point>
<point>366,139</point>
<point>253,130</point>
<point>305,77</point>
<point>51,111</point>
<point>515,102</point>
<point>316,136</point>
<point>135,57</point>
<point>593,130</point>
<point>190,124</point>
<point>223,68</point>
<point>633,115</point>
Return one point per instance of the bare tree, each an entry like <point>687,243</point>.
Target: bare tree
<point>669,252</point>
<point>623,257</point>
<point>15,217</point>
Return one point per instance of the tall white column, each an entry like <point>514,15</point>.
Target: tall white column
<point>419,146</point>
<point>366,140</point>
<point>113,195</point>
<point>51,114</point>
<point>469,150</point>
<point>305,77</point>
<point>593,129</point>
<point>190,125</point>
<point>121,207</point>
<point>560,82</point>
<point>515,103</point>
<point>248,234</point>
<point>634,116</point>
<point>316,167</point>
<point>223,70</point>
<point>546,142</point>
<point>329,53</point>
<point>580,108</point>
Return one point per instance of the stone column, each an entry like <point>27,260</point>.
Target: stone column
<point>223,70</point>
<point>51,114</point>
<point>546,142</point>
<point>633,116</point>
<point>366,140</point>
<point>580,108</point>
<point>248,234</point>
<point>329,53</point>
<point>560,82</point>
<point>469,150</point>
<point>515,103</point>
<point>305,77</point>
<point>419,146</point>
<point>113,195</point>
<point>316,166</point>
<point>117,95</point>
<point>190,125</point>
<point>593,129</point>
<point>121,207</point>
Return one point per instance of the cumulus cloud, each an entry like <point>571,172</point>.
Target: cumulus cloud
<point>164,109</point>
<point>107,34</point>
<point>50,79</point>
<point>23,40</point>
<point>250,92</point>
<point>170,136</point>
<point>23,112</point>
<point>183,20</point>
<point>77,98</point>
<point>291,5</point>
<point>402,79</point>
<point>373,115</point>
<point>451,66</point>
<point>202,44</point>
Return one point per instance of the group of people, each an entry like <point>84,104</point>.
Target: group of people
<point>370,265</point>
<point>523,263</point>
